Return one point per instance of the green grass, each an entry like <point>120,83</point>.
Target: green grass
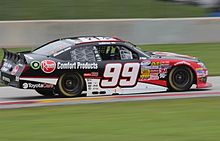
<point>161,120</point>
<point>208,53</point>
<point>88,9</point>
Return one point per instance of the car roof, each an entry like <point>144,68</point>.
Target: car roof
<point>90,39</point>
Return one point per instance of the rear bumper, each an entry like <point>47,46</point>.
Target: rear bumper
<point>10,80</point>
<point>27,83</point>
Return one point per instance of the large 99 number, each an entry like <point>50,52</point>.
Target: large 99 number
<point>115,74</point>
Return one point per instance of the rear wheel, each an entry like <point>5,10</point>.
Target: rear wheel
<point>180,78</point>
<point>70,85</point>
<point>45,92</point>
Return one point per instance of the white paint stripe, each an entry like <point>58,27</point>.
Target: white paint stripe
<point>42,80</point>
<point>109,20</point>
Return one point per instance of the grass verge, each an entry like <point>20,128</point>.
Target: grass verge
<point>167,120</point>
<point>87,9</point>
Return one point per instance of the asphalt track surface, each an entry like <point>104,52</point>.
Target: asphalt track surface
<point>17,98</point>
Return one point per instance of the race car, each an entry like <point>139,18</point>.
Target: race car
<point>99,65</point>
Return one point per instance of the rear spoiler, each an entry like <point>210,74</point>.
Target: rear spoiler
<point>15,57</point>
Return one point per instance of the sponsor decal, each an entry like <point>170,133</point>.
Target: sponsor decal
<point>206,72</point>
<point>95,86</point>
<point>202,79</point>
<point>200,71</point>
<point>35,65</point>
<point>35,86</point>
<point>6,67</point>
<point>76,65</point>
<point>150,67</point>
<point>154,67</point>
<point>17,78</point>
<point>165,66</point>
<point>145,74</point>
<point>155,64</point>
<point>25,85</point>
<point>89,86</point>
<point>165,62</point>
<point>154,71</point>
<point>48,66</point>
<point>92,84</point>
<point>145,63</point>
<point>154,76</point>
<point>106,43</point>
<point>92,74</point>
<point>163,75</point>
<point>15,70</point>
<point>98,58</point>
<point>163,70</point>
<point>6,79</point>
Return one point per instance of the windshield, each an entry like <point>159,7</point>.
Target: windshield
<point>138,49</point>
<point>52,48</point>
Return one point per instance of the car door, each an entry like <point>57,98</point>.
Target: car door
<point>121,66</point>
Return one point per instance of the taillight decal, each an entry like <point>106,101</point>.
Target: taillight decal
<point>15,70</point>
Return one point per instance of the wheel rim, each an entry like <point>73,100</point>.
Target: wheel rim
<point>181,77</point>
<point>71,84</point>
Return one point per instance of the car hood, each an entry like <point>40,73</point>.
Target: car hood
<point>170,55</point>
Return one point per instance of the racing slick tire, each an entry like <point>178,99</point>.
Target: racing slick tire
<point>70,85</point>
<point>180,78</point>
<point>45,92</point>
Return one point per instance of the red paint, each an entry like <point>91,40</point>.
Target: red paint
<point>48,66</point>
<point>17,102</point>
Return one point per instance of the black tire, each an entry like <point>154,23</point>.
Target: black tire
<point>180,78</point>
<point>45,92</point>
<point>70,85</point>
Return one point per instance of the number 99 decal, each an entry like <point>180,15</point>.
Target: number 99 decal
<point>116,74</point>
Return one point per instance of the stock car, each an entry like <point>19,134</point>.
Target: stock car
<point>98,65</point>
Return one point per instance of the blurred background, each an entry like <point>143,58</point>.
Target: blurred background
<point>167,25</point>
<point>189,27</point>
<point>69,20</point>
<point>96,9</point>
<point>151,23</point>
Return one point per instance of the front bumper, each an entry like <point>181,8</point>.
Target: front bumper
<point>204,85</point>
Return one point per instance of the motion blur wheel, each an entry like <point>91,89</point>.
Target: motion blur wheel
<point>70,85</point>
<point>45,92</point>
<point>180,78</point>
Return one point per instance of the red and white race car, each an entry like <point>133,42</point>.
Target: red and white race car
<point>95,65</point>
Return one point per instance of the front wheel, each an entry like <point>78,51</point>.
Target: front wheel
<point>180,78</point>
<point>70,85</point>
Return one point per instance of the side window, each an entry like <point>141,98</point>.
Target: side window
<point>82,54</point>
<point>116,53</point>
<point>125,54</point>
<point>63,54</point>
